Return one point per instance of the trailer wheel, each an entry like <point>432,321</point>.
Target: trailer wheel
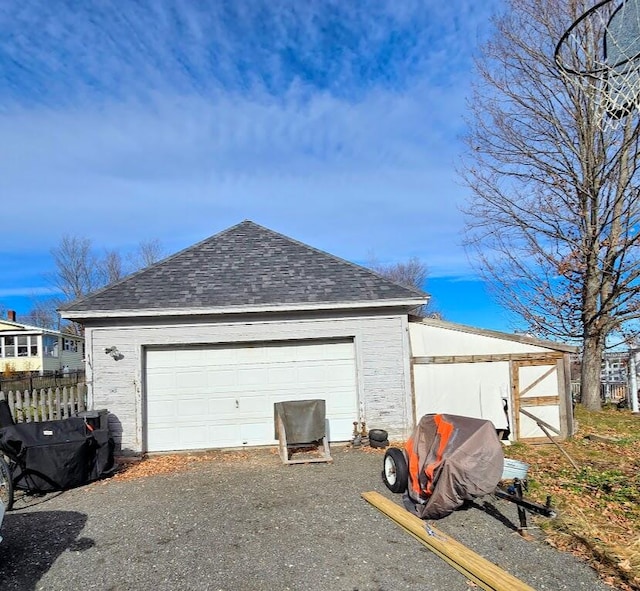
<point>395,473</point>
<point>6,485</point>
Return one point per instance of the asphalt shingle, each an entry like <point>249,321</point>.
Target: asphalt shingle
<point>245,265</point>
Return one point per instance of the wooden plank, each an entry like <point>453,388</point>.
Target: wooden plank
<point>540,401</point>
<point>530,358</point>
<point>531,362</point>
<point>515,396</point>
<point>478,569</point>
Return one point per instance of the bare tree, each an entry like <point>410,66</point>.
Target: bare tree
<point>413,273</point>
<point>147,254</point>
<point>43,313</point>
<point>80,271</point>
<point>554,211</point>
<point>77,267</point>
<point>111,268</point>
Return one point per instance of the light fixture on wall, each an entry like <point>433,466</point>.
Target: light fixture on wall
<point>113,351</point>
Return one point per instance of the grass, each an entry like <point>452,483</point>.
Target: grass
<point>599,504</point>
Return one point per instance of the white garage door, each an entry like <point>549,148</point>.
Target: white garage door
<point>205,397</point>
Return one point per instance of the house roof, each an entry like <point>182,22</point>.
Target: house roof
<point>508,336</point>
<point>242,268</point>
<point>8,326</point>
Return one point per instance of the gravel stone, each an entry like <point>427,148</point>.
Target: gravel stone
<point>258,525</point>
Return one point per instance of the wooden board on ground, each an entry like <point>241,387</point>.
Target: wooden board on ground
<point>477,569</point>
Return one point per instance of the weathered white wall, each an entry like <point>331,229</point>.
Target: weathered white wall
<point>428,341</point>
<point>382,360</point>
<point>467,389</point>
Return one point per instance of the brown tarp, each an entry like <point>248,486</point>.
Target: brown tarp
<point>451,459</point>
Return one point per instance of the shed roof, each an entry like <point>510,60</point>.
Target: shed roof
<point>246,266</point>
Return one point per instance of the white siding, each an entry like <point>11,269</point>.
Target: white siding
<point>380,348</point>
<point>429,341</point>
<point>467,389</point>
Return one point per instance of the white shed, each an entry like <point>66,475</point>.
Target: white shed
<point>518,382</point>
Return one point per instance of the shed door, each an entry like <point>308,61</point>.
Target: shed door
<point>535,387</point>
<point>211,396</point>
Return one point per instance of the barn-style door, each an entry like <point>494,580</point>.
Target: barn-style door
<point>535,384</point>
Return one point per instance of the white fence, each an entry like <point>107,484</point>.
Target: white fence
<point>50,404</point>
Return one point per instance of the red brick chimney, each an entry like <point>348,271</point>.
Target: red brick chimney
<point>11,315</point>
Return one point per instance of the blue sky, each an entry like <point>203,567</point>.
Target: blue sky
<point>336,123</point>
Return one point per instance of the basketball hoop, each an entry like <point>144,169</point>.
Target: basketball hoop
<point>600,54</point>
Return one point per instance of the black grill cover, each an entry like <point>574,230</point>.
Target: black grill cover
<point>55,455</point>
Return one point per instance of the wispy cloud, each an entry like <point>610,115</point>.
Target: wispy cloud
<point>27,291</point>
<point>333,122</point>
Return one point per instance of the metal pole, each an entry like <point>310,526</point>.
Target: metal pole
<point>633,381</point>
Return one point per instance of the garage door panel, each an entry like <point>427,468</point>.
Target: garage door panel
<point>191,379</point>
<point>195,436</point>
<point>223,397</point>
<point>282,376</point>
<point>156,381</point>
<point>162,409</point>
<point>222,378</point>
<point>341,402</point>
<point>163,439</point>
<point>252,376</point>
<point>192,407</point>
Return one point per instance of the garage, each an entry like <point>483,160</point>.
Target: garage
<point>206,396</point>
<point>193,351</point>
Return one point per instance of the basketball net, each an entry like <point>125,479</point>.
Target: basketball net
<point>600,55</point>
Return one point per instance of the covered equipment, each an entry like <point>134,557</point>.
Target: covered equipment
<point>451,459</point>
<point>56,455</point>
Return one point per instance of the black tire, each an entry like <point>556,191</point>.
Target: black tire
<point>379,444</point>
<point>6,485</point>
<point>378,435</point>
<point>395,473</point>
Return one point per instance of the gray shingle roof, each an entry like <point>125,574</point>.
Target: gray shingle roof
<point>245,265</point>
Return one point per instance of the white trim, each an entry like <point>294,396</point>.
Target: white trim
<point>146,312</point>
<point>409,415</point>
<point>28,328</point>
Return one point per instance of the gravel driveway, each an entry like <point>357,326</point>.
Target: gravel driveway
<point>236,524</point>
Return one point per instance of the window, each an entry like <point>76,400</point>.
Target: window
<point>23,346</point>
<point>19,346</point>
<point>9,346</point>
<point>50,345</point>
<point>70,345</point>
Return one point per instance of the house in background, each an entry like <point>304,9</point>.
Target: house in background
<point>30,349</point>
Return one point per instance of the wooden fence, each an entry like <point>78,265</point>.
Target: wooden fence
<point>50,404</point>
<point>32,381</point>
<point>609,392</point>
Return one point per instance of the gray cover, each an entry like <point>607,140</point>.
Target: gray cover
<point>451,459</point>
<point>303,420</point>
